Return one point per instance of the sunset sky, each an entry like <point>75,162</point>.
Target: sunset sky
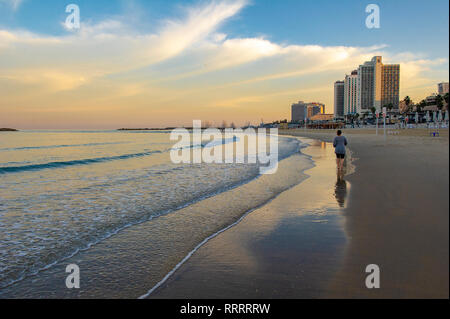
<point>164,63</point>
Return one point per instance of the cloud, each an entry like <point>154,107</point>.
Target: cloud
<point>201,22</point>
<point>108,47</point>
<point>185,67</point>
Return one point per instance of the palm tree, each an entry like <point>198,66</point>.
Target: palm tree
<point>408,102</point>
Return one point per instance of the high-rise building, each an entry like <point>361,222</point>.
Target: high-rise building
<point>443,88</point>
<point>351,93</point>
<point>366,87</point>
<point>338,99</point>
<point>390,86</point>
<point>299,112</point>
<point>378,85</point>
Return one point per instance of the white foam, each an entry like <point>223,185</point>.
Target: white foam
<point>191,253</point>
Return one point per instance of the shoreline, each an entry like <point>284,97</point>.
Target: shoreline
<point>241,262</point>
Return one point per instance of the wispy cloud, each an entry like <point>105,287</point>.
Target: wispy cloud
<point>107,47</point>
<point>187,67</point>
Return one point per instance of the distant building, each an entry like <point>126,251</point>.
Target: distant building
<point>351,93</point>
<point>366,87</point>
<point>299,112</point>
<point>315,108</point>
<point>430,108</point>
<point>378,85</point>
<point>339,99</point>
<point>431,100</point>
<point>390,89</point>
<point>302,110</point>
<point>443,88</point>
<point>322,117</point>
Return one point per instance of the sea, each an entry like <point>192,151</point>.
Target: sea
<point>65,193</point>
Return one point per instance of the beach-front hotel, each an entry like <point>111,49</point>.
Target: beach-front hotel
<point>442,88</point>
<point>314,112</point>
<point>339,89</point>
<point>351,93</point>
<point>302,111</point>
<point>373,84</point>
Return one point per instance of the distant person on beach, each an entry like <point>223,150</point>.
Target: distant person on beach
<point>339,143</point>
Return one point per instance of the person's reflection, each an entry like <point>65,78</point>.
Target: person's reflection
<point>340,191</point>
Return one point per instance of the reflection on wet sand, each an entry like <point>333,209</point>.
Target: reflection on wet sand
<point>340,191</point>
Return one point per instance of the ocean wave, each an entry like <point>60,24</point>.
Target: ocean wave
<point>34,167</point>
<point>26,148</point>
<point>61,164</point>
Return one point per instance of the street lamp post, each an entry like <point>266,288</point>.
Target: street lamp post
<point>377,115</point>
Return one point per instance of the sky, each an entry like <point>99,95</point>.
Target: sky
<point>159,63</point>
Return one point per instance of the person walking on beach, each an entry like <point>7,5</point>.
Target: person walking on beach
<point>339,143</point>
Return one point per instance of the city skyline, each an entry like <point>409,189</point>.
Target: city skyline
<point>136,63</point>
<point>373,86</point>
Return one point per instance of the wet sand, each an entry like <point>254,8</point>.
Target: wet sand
<point>290,248</point>
<point>397,215</point>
